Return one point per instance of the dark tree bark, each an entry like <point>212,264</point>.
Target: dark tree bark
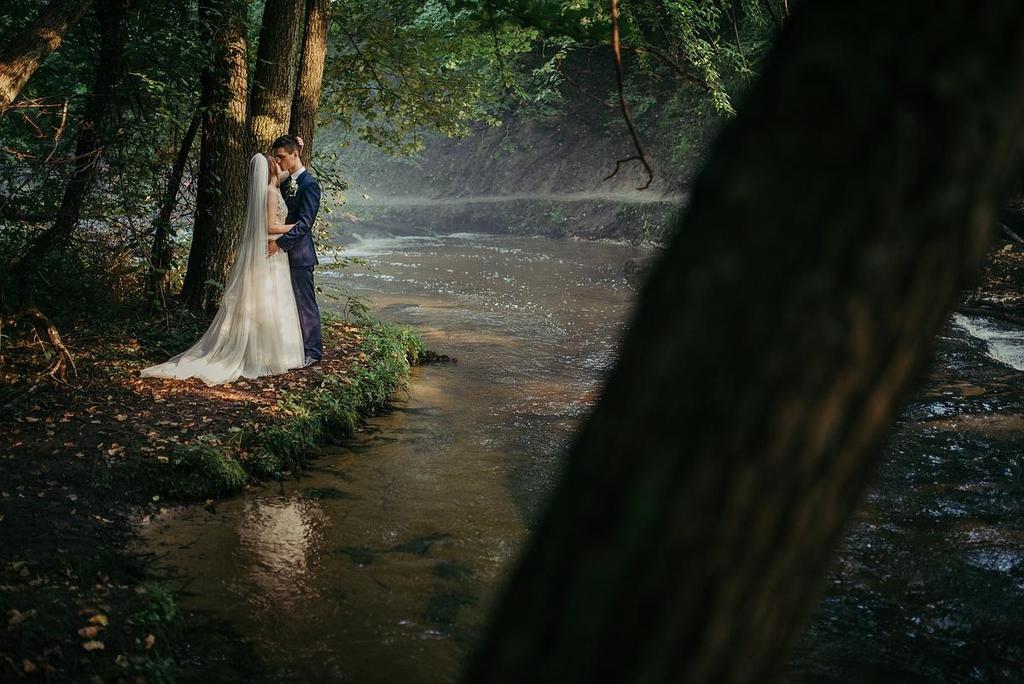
<point>274,80</point>
<point>88,145</point>
<point>311,75</point>
<point>160,259</point>
<point>223,161</point>
<point>794,307</point>
<point>31,47</point>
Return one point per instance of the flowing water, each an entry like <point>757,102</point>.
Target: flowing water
<point>380,562</point>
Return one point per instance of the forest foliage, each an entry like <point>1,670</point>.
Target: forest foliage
<point>393,72</point>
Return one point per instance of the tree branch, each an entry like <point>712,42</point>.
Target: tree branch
<point>640,155</point>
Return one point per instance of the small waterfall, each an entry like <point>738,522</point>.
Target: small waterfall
<point>1003,341</point>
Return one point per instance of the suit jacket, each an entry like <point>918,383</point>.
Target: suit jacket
<point>302,209</point>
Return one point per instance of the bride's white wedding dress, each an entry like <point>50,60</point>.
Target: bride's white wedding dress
<point>255,331</point>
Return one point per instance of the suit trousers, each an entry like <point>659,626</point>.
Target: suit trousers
<point>309,311</point>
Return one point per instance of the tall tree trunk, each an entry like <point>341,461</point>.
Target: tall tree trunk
<point>274,80</point>
<point>223,162</point>
<point>88,145</point>
<point>794,307</point>
<point>31,47</point>
<point>311,74</point>
<point>160,259</point>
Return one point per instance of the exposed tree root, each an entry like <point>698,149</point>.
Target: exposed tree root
<point>53,347</point>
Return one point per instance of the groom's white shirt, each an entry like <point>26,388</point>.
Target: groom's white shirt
<point>298,173</point>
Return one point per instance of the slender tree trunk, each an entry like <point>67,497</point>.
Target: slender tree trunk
<point>88,145</point>
<point>223,162</point>
<point>311,74</point>
<point>778,335</point>
<point>160,259</point>
<point>29,48</point>
<point>274,80</point>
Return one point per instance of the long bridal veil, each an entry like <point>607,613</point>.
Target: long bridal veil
<point>256,330</point>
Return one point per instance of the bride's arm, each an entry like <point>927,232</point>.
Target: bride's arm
<point>274,228</point>
<point>279,229</point>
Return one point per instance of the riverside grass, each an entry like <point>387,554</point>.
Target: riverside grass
<point>330,410</point>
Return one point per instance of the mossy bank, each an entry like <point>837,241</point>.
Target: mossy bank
<point>84,464</point>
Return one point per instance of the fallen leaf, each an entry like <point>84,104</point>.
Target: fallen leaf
<point>150,640</point>
<point>89,632</point>
<point>99,619</point>
<point>93,645</point>
<point>28,665</point>
<point>16,617</point>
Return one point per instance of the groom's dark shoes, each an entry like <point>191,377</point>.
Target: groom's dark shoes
<point>310,361</point>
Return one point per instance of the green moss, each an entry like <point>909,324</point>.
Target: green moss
<point>197,471</point>
<point>330,410</point>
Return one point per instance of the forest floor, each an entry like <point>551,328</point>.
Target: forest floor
<point>83,464</point>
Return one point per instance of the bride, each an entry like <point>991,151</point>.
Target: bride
<point>256,330</point>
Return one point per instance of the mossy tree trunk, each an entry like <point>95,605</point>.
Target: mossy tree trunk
<point>311,74</point>
<point>274,79</point>
<point>838,218</point>
<point>28,49</point>
<point>223,158</point>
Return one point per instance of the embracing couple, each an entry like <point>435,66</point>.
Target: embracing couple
<point>268,321</point>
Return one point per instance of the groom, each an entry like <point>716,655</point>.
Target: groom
<point>302,195</point>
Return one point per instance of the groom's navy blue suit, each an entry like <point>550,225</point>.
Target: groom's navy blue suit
<point>298,242</point>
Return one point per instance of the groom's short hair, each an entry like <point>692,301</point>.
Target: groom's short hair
<point>288,142</point>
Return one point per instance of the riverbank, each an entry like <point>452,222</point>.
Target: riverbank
<point>644,219</point>
<point>84,463</point>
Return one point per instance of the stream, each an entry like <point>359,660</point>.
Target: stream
<point>380,562</point>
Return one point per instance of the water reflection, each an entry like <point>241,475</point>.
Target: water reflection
<point>278,539</point>
<point>379,565</point>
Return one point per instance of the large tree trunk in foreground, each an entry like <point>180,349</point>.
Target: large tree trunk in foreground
<point>797,303</point>
<point>223,162</point>
<point>88,145</point>
<point>273,82</point>
<point>311,75</point>
<point>32,46</point>
<point>161,257</point>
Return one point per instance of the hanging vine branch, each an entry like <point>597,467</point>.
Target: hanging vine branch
<point>640,155</point>
<point>679,70</point>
